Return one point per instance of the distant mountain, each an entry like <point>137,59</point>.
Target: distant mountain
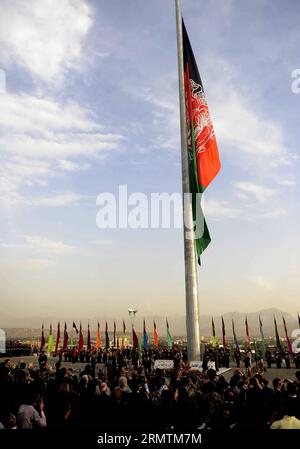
<point>31,327</point>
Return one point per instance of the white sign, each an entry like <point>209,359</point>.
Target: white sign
<point>164,364</point>
<point>2,341</point>
<point>196,365</point>
<point>211,365</point>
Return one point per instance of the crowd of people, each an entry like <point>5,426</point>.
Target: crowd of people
<point>122,390</point>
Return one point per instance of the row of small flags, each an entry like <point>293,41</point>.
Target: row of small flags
<point>264,346</point>
<point>136,343</point>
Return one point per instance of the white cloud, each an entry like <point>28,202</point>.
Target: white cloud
<point>274,213</point>
<point>242,127</point>
<point>44,37</point>
<point>71,166</point>
<point>40,243</point>
<point>39,135</point>
<point>103,242</point>
<point>261,282</point>
<point>287,183</point>
<point>51,246</point>
<point>261,193</point>
<point>220,209</point>
<point>61,200</point>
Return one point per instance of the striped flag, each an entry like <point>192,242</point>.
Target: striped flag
<point>235,338</point>
<point>145,335</point>
<point>98,340</point>
<point>57,337</point>
<point>288,341</point>
<point>155,336</point>
<point>248,334</point>
<point>204,162</point>
<point>263,340</point>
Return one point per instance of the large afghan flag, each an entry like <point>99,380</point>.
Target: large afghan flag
<point>204,162</point>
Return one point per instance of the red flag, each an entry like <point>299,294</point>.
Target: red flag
<point>66,338</point>
<point>81,342</point>
<point>89,345</point>
<point>57,337</point>
<point>155,335</point>
<point>135,340</point>
<point>98,340</point>
<point>115,329</point>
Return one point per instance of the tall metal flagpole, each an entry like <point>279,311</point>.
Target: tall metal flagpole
<point>191,284</point>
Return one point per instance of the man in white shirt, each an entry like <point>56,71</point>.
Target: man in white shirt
<point>28,416</point>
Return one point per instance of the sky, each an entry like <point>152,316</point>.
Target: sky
<point>90,102</point>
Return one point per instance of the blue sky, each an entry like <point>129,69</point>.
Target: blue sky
<point>91,102</point>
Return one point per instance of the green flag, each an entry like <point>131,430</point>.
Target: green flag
<point>50,340</point>
<point>169,337</point>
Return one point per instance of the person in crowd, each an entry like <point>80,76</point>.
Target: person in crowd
<point>31,414</point>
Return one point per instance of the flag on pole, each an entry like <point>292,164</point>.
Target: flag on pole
<point>66,338</point>
<point>235,338</point>
<point>155,336</point>
<point>98,339</point>
<point>123,336</point>
<point>201,141</point>
<point>57,337</point>
<point>298,319</point>
<point>278,342</point>
<point>288,341</point>
<point>81,342</point>
<point>263,340</point>
<point>50,340</point>
<point>135,340</point>
<point>106,337</point>
<point>248,334</point>
<point>223,332</point>
<point>43,342</point>
<point>115,329</point>
<point>214,339</point>
<point>169,337</point>
<point>89,344</point>
<point>75,327</point>
<point>145,337</point>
